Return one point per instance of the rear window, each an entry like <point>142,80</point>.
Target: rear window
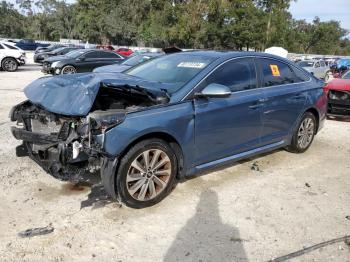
<point>10,47</point>
<point>277,73</point>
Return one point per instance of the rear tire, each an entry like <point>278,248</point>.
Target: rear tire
<point>9,64</point>
<point>146,174</point>
<point>304,134</point>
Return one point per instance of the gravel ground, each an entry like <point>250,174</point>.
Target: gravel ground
<point>232,214</point>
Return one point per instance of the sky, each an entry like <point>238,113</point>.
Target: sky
<point>326,10</point>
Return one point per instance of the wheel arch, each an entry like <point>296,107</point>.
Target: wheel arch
<point>316,114</point>
<point>2,59</point>
<point>173,142</point>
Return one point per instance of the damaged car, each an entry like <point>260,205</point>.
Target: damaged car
<point>166,119</point>
<point>338,91</point>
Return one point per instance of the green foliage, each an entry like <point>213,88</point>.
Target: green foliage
<point>210,24</point>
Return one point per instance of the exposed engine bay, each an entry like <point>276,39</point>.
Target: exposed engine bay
<point>68,146</point>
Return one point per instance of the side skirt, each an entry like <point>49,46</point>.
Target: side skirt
<point>239,156</point>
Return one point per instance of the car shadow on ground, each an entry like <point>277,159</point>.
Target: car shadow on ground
<point>28,68</point>
<point>339,119</point>
<point>205,237</point>
<point>98,197</point>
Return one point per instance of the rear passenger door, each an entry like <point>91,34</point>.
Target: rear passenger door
<point>284,92</point>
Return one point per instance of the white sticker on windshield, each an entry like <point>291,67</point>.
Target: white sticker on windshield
<point>191,65</point>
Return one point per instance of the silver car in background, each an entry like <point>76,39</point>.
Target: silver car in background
<point>316,67</point>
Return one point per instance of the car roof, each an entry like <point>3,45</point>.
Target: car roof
<point>229,54</point>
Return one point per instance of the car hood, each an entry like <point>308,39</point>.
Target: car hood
<point>111,68</point>
<point>56,58</point>
<point>74,95</point>
<point>339,84</point>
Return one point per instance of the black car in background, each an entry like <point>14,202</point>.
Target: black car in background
<point>40,57</point>
<point>49,48</point>
<point>79,61</point>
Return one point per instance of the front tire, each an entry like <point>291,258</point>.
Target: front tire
<point>9,64</point>
<point>304,134</point>
<point>68,70</point>
<point>146,174</point>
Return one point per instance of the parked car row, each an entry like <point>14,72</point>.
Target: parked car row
<point>163,119</point>
<point>79,61</point>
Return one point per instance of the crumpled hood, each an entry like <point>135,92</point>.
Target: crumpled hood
<point>74,95</point>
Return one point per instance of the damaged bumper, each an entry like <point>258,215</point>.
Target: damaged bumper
<point>339,103</point>
<point>63,146</point>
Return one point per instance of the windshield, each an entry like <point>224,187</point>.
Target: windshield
<point>55,51</point>
<point>346,75</point>
<point>306,63</point>
<point>137,59</point>
<point>75,53</point>
<point>175,70</point>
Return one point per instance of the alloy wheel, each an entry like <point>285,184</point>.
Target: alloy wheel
<point>10,65</point>
<point>68,70</point>
<point>148,174</point>
<point>306,133</point>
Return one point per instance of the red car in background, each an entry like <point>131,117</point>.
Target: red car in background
<point>124,51</point>
<point>338,93</point>
<point>105,47</point>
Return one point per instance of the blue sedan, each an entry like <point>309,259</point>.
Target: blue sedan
<point>167,119</point>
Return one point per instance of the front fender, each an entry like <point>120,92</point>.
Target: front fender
<point>176,120</point>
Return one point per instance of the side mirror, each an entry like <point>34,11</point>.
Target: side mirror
<point>214,91</point>
<point>81,59</point>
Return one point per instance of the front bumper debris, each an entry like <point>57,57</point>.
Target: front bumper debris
<point>58,144</point>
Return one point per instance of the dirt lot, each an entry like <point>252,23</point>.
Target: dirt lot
<point>232,214</point>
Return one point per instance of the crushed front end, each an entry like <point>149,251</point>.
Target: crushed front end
<point>339,103</point>
<point>65,147</point>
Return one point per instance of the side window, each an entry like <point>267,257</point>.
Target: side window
<point>323,64</point>
<point>1,47</point>
<point>300,75</point>
<point>238,75</point>
<point>10,47</point>
<point>109,55</point>
<point>92,55</point>
<point>317,65</point>
<point>276,73</point>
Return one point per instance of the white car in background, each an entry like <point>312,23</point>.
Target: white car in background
<point>11,57</point>
<point>316,67</point>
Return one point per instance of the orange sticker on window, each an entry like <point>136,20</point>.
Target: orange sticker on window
<point>275,71</point>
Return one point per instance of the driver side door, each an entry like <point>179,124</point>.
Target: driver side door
<point>231,125</point>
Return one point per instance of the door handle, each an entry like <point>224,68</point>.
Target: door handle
<point>255,105</point>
